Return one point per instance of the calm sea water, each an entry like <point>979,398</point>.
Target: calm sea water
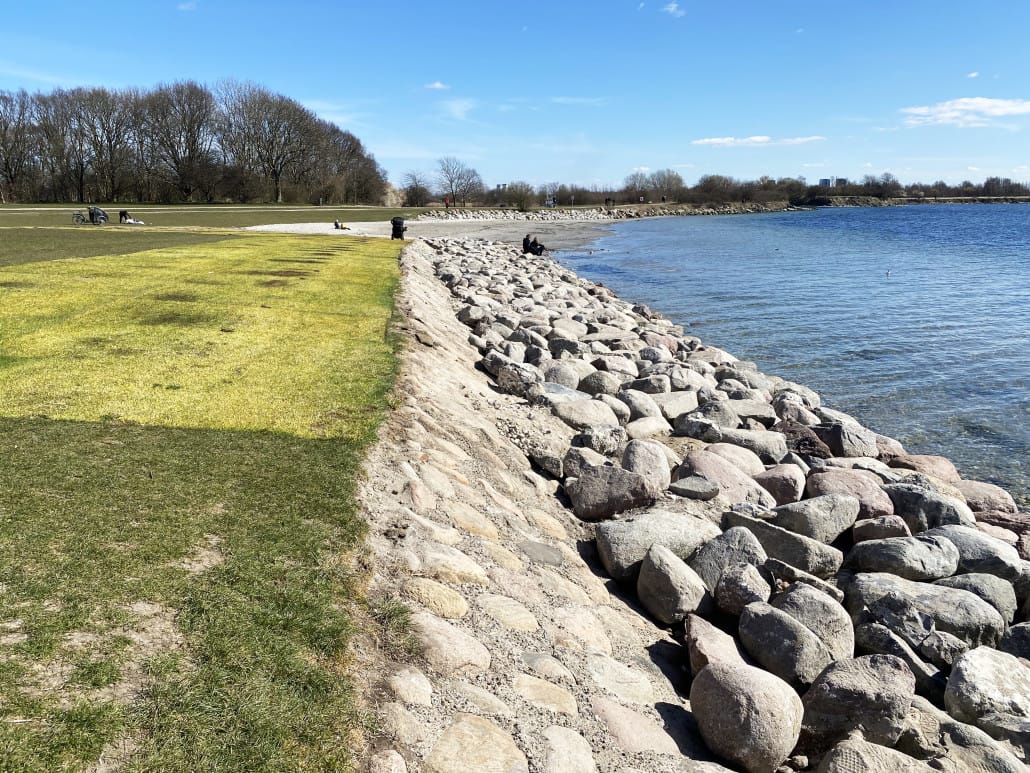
<point>916,320</point>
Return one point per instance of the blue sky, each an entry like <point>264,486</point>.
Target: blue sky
<point>587,92</point>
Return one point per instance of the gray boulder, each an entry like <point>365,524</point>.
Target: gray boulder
<point>707,644</point>
<point>694,487</point>
<point>740,585</point>
<point>734,485</point>
<point>668,588</point>
<point>561,372</point>
<point>823,518</point>
<point>674,404</point>
<point>580,414</point>
<point>639,403</point>
<point>924,508</point>
<point>880,528</point>
<point>600,382</point>
<point>914,558</point>
<point>517,378</point>
<point>877,639</point>
<point>648,458</point>
<point>733,546</point>
<point>991,689</point>
<point>995,591</point>
<point>577,460</point>
<point>748,462</point>
<point>745,715</point>
<point>719,413</point>
<point>785,574</point>
<point>870,693</point>
<point>770,446</point>
<point>804,553</point>
<point>782,644</point>
<point>865,486</point>
<point>622,544</point>
<point>979,552</point>
<point>953,610</point>
<point>604,439</point>
<point>602,492</point>
<point>854,755</point>
<point>1016,641</point>
<point>786,482</point>
<point>847,439</point>
<point>952,746</point>
<point>648,426</point>
<point>823,616</point>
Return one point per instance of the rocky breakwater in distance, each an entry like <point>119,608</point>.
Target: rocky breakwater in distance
<point>604,214</point>
<point>625,550</point>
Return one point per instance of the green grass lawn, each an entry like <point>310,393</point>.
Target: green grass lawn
<point>181,425</point>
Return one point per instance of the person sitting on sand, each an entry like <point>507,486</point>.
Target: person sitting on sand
<point>525,244</point>
<point>536,247</point>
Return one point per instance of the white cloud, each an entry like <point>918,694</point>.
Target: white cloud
<point>590,101</point>
<point>757,141</point>
<point>644,169</point>
<point>973,74</point>
<point>965,112</point>
<point>188,6</point>
<point>436,86</point>
<point>673,9</point>
<point>458,109</point>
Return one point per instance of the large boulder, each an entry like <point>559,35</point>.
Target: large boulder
<point>782,644</point>
<point>986,497</point>
<point>995,591</point>
<point>847,439</point>
<point>871,693</point>
<point>668,588</point>
<point>601,492</point>
<point>937,466</point>
<point>740,585</point>
<point>822,615</point>
<point>786,482</point>
<point>748,462</point>
<point>854,755</point>
<point>914,558</point>
<point>863,485</point>
<point>580,414</point>
<point>770,446</point>
<point>979,552</point>
<point>735,545</point>
<point>707,644</point>
<point>953,746</point>
<point>953,610</point>
<point>823,518</point>
<point>877,639</point>
<point>733,484</point>
<point>804,553</point>
<point>986,682</point>
<point>745,715</point>
<point>648,458</point>
<point>924,508</point>
<point>622,544</point>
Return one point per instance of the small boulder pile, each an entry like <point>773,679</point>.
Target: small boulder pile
<point>842,604</point>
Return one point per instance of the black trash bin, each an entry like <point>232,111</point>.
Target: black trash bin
<point>398,228</point>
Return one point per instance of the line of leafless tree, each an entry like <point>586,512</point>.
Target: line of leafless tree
<point>459,184</point>
<point>178,142</point>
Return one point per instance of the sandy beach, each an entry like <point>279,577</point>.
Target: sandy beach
<point>554,235</point>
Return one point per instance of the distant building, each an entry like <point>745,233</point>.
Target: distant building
<point>840,182</point>
<point>824,182</point>
<point>833,182</point>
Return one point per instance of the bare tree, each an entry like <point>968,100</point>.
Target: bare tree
<point>181,119</point>
<point>457,180</point>
<point>417,189</point>
<point>637,185</point>
<point>520,194</point>
<point>16,141</point>
<point>106,122</point>
<point>666,183</point>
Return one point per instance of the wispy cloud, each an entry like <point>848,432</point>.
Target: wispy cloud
<point>966,112</point>
<point>757,141</point>
<point>673,9</point>
<point>973,74</point>
<point>190,5</point>
<point>458,109</point>
<point>437,86</point>
<point>589,101</point>
<point>35,75</point>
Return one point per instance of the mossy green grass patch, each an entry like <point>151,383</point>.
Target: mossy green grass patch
<point>180,433</point>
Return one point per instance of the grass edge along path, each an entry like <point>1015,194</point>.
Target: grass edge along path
<point>181,587</point>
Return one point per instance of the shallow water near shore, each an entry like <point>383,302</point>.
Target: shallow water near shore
<point>916,320</point>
